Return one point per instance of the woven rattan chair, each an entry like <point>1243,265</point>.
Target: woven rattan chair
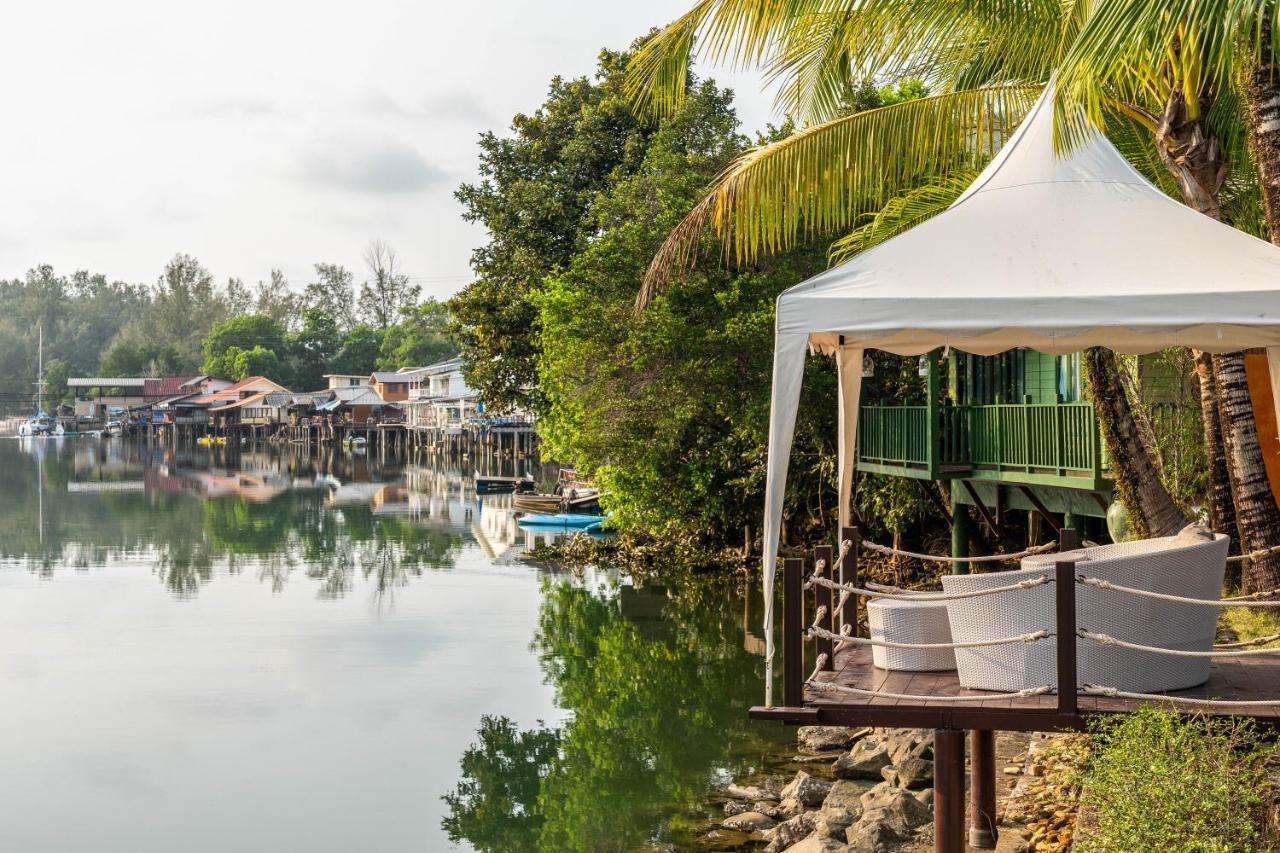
<point>1182,565</point>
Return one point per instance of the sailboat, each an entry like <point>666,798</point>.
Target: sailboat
<point>41,423</point>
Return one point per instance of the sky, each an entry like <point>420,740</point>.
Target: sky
<point>276,133</point>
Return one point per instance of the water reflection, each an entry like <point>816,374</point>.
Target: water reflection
<point>278,512</point>
<point>658,686</point>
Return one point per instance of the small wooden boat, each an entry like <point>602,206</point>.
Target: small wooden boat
<point>501,485</point>
<point>537,503</point>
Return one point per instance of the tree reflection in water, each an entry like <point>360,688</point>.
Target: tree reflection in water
<point>658,689</point>
<point>187,517</point>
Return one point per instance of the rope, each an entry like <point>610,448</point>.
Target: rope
<point>1107,640</point>
<point>863,641</point>
<point>1255,555</point>
<point>827,687</point>
<point>994,558</point>
<point>1258,641</point>
<point>1039,580</point>
<point>1113,693</point>
<point>1239,601</point>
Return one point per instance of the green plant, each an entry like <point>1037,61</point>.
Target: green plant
<point>1157,780</point>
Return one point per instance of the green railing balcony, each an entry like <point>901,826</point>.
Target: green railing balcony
<point>1045,443</point>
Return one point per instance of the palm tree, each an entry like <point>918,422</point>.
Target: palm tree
<point>989,60</point>
<point>1232,53</point>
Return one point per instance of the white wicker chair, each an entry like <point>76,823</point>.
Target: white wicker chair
<point>905,621</point>
<point>1178,565</point>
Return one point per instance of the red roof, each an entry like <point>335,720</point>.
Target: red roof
<point>231,392</point>
<point>164,386</point>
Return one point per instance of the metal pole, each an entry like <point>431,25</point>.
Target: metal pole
<point>792,619</point>
<point>982,790</point>
<point>948,795</point>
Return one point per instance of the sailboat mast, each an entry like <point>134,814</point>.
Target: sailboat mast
<point>40,376</point>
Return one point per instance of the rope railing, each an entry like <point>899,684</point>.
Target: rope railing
<point>1107,640</point>
<point>1237,601</point>
<point>828,687</point>
<point>845,639</point>
<point>1029,583</point>
<point>991,558</point>
<point>1254,555</point>
<point>1113,693</point>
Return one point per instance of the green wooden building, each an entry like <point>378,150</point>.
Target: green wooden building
<point>1008,431</point>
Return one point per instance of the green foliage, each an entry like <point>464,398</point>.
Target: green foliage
<point>1160,781</point>
<point>668,408</point>
<point>534,199</point>
<point>420,338</point>
<point>333,293</point>
<point>231,338</point>
<point>359,352</point>
<point>313,350</point>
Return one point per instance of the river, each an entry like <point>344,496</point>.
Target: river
<point>266,651</point>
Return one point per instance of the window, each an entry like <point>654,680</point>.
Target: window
<point>353,382</point>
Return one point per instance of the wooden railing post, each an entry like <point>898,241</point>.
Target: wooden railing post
<point>793,633</point>
<point>849,576</point>
<point>822,598</point>
<point>1065,596</point>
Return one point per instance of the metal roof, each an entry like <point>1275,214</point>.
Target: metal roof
<point>106,382</point>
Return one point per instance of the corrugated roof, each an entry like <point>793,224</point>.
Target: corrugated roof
<point>164,386</point>
<point>106,382</point>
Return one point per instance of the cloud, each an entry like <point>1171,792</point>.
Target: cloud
<point>230,107</point>
<point>389,168</point>
<point>434,106</point>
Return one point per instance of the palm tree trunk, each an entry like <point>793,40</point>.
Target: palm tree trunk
<point>1257,515</point>
<point>1222,512</point>
<point>1152,511</point>
<point>1262,115</point>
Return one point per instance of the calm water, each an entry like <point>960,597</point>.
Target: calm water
<point>266,652</point>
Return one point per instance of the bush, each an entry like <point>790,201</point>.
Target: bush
<point>1157,780</point>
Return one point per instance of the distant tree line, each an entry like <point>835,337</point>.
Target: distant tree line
<point>188,323</point>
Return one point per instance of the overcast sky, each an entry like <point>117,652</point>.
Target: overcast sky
<point>275,133</point>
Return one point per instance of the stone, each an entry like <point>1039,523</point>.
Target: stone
<point>832,823</point>
<point>749,822</point>
<point>823,738</point>
<point>890,774</point>
<point>816,844</point>
<point>767,807</point>
<point>788,833</point>
<point>898,804</point>
<point>914,773</point>
<point>749,792</point>
<point>844,795</point>
<point>869,837</point>
<point>863,761</point>
<point>807,789</point>
<point>790,807</point>
<point>909,743</point>
<point>925,797</point>
<point>733,807</point>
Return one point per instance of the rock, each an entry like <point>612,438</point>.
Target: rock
<point>816,844</point>
<point>832,823</point>
<point>870,797</point>
<point>1012,770</point>
<point>844,796</point>
<point>733,807</point>
<point>790,807</point>
<point>823,738</point>
<point>766,807</point>
<point>863,761</point>
<point>750,792</point>
<point>890,774</point>
<point>869,837</point>
<point>788,833</point>
<point>806,789</point>
<point>914,773</point>
<point>909,743</point>
<point>898,804</point>
<point>749,822</point>
<point>925,797</point>
<point>725,839</point>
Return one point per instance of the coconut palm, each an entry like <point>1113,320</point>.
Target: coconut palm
<point>1224,49</point>
<point>988,61</point>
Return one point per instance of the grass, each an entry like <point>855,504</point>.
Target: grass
<point>1157,780</point>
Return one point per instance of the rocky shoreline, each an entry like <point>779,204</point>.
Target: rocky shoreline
<point>871,791</point>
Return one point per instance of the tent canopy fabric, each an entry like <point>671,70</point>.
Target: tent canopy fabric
<point>1054,253</point>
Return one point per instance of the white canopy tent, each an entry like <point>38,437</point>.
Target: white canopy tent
<point>1052,253</point>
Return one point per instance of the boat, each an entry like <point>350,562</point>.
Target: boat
<point>355,442</point>
<point>208,440</point>
<point>502,485</point>
<point>40,424</point>
<point>566,520</point>
<point>537,503</point>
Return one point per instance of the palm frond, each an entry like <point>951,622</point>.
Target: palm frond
<point>820,179</point>
<point>900,214</point>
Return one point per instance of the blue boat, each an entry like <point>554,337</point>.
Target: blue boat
<point>564,520</point>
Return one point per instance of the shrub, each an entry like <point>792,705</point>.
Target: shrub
<point>1157,780</point>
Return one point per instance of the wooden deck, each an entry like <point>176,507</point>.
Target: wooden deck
<point>1231,679</point>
